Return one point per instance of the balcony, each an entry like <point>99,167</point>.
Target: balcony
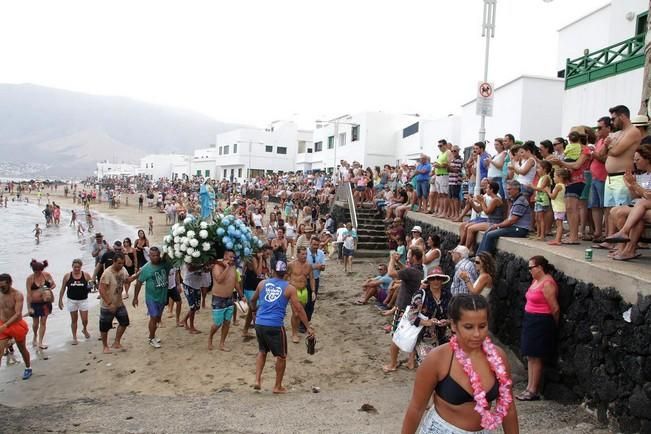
<point>618,58</point>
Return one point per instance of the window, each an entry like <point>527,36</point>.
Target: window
<point>281,150</point>
<point>152,165</point>
<point>269,148</point>
<point>207,173</point>
<point>226,150</point>
<point>198,172</point>
<point>225,173</point>
<point>354,133</point>
<point>640,24</point>
<point>234,148</point>
<point>254,173</point>
<point>331,142</point>
<point>410,130</point>
<point>239,172</point>
<point>232,173</point>
<point>220,150</point>
<point>318,147</point>
<point>342,139</point>
<point>146,165</point>
<point>309,150</point>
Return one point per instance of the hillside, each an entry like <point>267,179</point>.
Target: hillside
<point>69,132</point>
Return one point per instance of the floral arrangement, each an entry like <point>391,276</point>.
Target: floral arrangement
<point>489,419</point>
<point>198,242</point>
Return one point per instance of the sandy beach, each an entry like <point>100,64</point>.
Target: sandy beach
<point>183,387</point>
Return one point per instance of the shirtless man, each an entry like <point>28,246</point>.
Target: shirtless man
<point>621,149</point>
<point>114,280</point>
<point>12,324</point>
<point>224,280</point>
<point>299,271</point>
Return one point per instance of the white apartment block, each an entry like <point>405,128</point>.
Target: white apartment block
<point>156,166</point>
<point>106,169</point>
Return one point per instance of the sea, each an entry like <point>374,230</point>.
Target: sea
<point>59,245</point>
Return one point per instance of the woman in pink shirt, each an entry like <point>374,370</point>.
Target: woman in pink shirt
<point>541,314</point>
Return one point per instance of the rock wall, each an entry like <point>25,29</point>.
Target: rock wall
<point>601,358</point>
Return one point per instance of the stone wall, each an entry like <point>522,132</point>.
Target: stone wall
<point>601,358</point>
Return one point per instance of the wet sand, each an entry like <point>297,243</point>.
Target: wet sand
<point>183,387</point>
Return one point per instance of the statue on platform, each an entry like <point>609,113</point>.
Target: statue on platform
<point>207,199</point>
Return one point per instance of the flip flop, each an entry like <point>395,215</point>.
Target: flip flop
<point>617,240</point>
<point>570,243</point>
<point>554,243</point>
<point>621,258</point>
<point>599,246</point>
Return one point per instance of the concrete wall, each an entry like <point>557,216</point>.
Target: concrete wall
<point>160,165</point>
<point>542,109</point>
<point>583,105</point>
<point>430,131</point>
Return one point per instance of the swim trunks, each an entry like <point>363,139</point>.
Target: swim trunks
<point>302,295</point>
<point>154,308</point>
<point>222,309</point>
<point>248,294</point>
<point>272,339</point>
<point>193,295</point>
<point>106,317</point>
<point>615,191</point>
<point>17,330</point>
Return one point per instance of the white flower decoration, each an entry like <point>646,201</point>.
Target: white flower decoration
<point>167,239</point>
<point>175,226</point>
<point>196,254</point>
<point>181,230</point>
<point>187,259</point>
<point>177,239</point>
<point>189,251</point>
<point>203,225</point>
<point>194,242</point>
<point>190,234</point>
<point>205,247</point>
<point>203,234</point>
<point>183,247</point>
<point>178,254</point>
<point>187,220</point>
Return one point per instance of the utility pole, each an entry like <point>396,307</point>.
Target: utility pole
<point>487,31</point>
<point>646,81</point>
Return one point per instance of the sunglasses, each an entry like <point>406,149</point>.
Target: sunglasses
<point>532,267</point>
<point>478,262</point>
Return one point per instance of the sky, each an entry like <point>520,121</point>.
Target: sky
<point>256,61</point>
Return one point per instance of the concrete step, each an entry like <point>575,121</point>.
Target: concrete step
<point>371,231</point>
<point>364,253</point>
<point>373,240</point>
<point>372,245</point>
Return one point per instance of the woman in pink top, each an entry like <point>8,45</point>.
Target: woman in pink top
<point>541,314</point>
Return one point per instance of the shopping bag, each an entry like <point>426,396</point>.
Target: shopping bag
<point>406,333</point>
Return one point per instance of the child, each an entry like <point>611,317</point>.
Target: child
<point>402,251</point>
<point>561,177</point>
<point>349,236</point>
<point>151,225</point>
<point>542,204</point>
<point>37,233</point>
<point>73,218</point>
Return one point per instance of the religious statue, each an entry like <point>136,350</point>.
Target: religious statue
<point>207,199</point>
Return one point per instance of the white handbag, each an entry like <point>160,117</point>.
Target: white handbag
<point>406,333</point>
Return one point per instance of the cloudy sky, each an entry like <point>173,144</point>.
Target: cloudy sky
<point>261,60</point>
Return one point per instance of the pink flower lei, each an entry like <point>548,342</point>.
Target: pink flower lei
<point>489,419</point>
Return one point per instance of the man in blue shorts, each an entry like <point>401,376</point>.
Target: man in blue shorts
<point>224,280</point>
<point>270,304</point>
<point>155,276</point>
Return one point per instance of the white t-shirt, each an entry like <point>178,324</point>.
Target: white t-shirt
<point>257,220</point>
<point>349,239</point>
<point>340,234</point>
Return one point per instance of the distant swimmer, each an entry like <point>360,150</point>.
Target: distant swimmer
<point>37,233</point>
<point>89,221</point>
<point>73,218</point>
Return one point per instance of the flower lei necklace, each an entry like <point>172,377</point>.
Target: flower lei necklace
<point>489,419</point>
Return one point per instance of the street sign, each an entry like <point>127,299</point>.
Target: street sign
<point>484,99</point>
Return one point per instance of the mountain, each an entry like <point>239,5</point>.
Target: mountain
<point>68,132</point>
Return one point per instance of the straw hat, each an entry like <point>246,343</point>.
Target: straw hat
<point>436,273</point>
<point>640,120</point>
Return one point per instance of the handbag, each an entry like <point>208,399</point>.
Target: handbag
<point>406,333</point>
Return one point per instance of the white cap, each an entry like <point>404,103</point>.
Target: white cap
<point>417,229</point>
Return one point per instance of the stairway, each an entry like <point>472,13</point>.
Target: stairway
<point>371,236</point>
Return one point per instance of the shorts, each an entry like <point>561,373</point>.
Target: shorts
<point>381,295</point>
<point>302,295</point>
<point>477,220</point>
<point>435,424</point>
<point>272,339</point>
<point>422,188</point>
<point>360,188</point>
<point>17,331</point>
<point>455,191</point>
<point>154,308</point>
<point>539,207</point>
<point>248,294</point>
<point>106,318</point>
<point>346,252</point>
<point>41,309</point>
<point>173,293</point>
<point>193,295</point>
<point>585,194</point>
<point>596,199</point>
<point>559,215</point>
<point>574,190</point>
<point>441,184</point>
<point>222,309</point>
<point>615,191</point>
<point>77,305</point>
<point>340,253</point>
<point>397,316</point>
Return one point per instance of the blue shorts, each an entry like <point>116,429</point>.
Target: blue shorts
<point>346,252</point>
<point>616,192</point>
<point>248,294</point>
<point>154,308</point>
<point>574,190</point>
<point>597,194</point>
<point>478,220</point>
<point>193,295</point>
<point>222,309</point>
<point>422,188</point>
<point>539,207</point>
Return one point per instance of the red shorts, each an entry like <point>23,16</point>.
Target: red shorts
<point>17,331</point>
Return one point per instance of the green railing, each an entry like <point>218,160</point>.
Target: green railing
<point>616,59</point>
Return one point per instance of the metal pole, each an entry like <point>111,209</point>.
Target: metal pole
<point>488,31</point>
<point>248,175</point>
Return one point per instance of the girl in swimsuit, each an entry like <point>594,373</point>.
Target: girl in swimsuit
<point>442,375</point>
<point>141,243</point>
<point>37,300</point>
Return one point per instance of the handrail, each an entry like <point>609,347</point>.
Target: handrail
<point>614,59</point>
<point>344,193</point>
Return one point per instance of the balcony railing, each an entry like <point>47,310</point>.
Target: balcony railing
<point>616,59</point>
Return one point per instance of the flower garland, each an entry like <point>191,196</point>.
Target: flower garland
<point>489,419</point>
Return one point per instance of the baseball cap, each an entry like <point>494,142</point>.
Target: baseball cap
<point>281,266</point>
<point>417,229</point>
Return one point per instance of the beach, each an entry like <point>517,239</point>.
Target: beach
<point>183,387</point>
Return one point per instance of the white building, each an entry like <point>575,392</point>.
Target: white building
<point>105,169</point>
<point>371,138</point>
<point>204,162</point>
<point>156,166</point>
<point>422,136</point>
<point>601,57</point>
<point>181,168</point>
<point>250,152</point>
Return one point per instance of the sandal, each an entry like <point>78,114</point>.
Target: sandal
<point>527,396</point>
